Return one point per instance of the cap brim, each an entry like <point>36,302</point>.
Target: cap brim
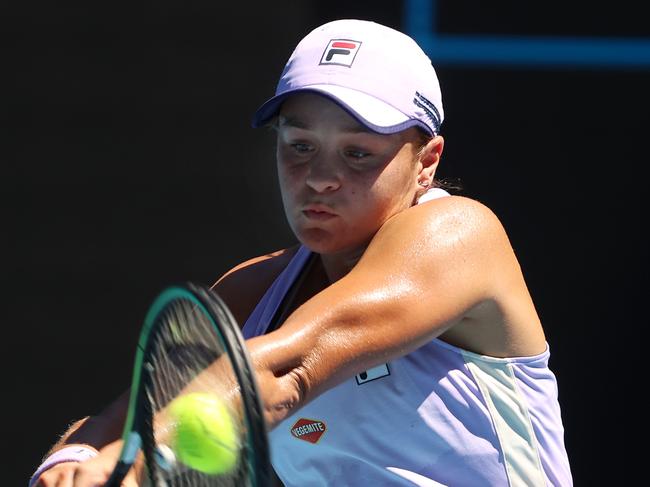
<point>368,110</point>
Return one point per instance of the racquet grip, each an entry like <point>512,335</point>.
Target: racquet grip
<point>119,472</point>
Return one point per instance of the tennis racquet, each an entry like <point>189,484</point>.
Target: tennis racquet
<point>187,329</point>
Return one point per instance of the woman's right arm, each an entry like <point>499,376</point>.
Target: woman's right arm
<point>102,433</point>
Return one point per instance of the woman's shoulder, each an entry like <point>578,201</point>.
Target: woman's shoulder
<point>244,285</point>
<point>467,239</point>
<point>453,217</point>
<point>456,205</point>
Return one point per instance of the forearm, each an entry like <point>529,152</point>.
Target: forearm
<point>96,431</point>
<point>65,439</point>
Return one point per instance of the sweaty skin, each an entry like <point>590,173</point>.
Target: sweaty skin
<point>397,298</point>
<point>391,276</point>
<point>400,274</point>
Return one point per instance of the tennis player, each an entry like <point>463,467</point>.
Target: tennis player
<point>397,343</point>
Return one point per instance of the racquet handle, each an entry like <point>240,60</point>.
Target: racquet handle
<point>119,472</point>
<point>133,444</point>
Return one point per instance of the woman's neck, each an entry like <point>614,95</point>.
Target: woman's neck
<point>339,264</point>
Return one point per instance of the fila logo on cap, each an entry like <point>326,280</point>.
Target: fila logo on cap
<point>341,52</point>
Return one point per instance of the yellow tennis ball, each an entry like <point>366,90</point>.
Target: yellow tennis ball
<point>205,437</point>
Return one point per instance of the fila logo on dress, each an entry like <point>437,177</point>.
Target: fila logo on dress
<point>372,374</point>
<point>341,52</point>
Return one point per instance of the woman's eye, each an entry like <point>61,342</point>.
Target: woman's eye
<point>357,154</point>
<point>301,148</point>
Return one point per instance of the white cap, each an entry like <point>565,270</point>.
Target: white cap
<point>378,74</point>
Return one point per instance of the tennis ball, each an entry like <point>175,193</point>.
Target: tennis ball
<point>205,437</point>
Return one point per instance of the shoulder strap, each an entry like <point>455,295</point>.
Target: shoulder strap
<point>283,310</point>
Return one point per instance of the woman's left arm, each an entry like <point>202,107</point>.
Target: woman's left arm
<point>424,272</point>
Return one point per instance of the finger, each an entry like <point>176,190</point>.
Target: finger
<point>91,474</point>
<point>60,475</point>
<point>96,471</point>
<point>66,477</point>
<point>131,480</point>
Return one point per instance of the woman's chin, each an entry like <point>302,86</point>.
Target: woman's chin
<point>326,243</point>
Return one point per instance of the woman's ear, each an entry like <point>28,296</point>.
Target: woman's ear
<point>428,160</point>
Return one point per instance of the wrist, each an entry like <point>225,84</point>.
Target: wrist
<point>69,453</point>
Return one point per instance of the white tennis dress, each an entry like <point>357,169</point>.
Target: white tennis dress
<point>437,416</point>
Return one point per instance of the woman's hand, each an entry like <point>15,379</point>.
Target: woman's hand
<point>93,472</point>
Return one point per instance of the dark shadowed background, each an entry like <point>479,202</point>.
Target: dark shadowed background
<point>128,163</point>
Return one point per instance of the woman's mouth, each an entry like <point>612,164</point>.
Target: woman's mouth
<point>317,212</point>
<point>318,215</point>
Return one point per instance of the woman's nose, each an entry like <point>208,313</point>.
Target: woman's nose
<point>323,176</point>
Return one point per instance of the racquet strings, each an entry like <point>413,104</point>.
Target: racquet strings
<point>185,343</point>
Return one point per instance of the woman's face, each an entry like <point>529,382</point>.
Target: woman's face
<point>339,181</point>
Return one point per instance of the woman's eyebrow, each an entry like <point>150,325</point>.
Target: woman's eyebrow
<point>284,121</point>
<point>357,129</point>
<point>289,121</point>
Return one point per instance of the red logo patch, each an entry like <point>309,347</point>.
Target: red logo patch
<point>340,52</point>
<point>308,429</point>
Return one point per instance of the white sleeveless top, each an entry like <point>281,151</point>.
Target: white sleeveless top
<point>437,416</point>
